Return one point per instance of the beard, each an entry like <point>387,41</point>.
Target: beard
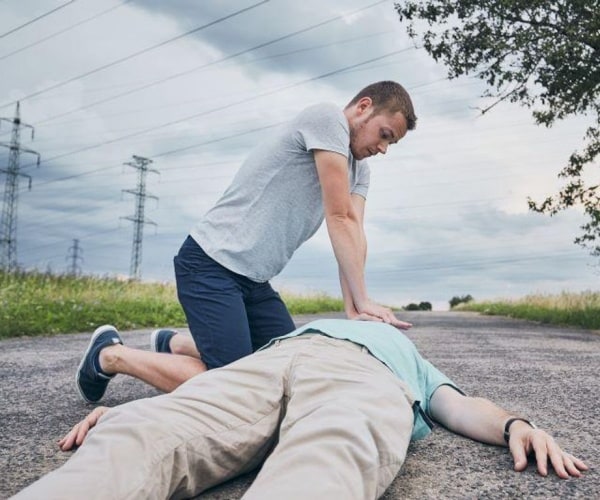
<point>354,137</point>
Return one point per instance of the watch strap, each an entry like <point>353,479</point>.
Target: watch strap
<point>510,421</point>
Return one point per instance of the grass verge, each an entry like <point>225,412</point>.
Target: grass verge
<point>34,303</point>
<point>573,309</point>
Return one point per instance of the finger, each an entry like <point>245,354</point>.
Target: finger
<point>570,467</point>
<point>382,312</point>
<point>81,433</point>
<point>557,459</point>
<point>541,456</point>
<point>62,439</point>
<point>580,464</point>
<point>390,317</point>
<point>61,442</point>
<point>67,441</point>
<point>369,317</point>
<point>402,325</point>
<point>387,319</point>
<point>386,313</point>
<point>519,455</point>
<point>72,433</point>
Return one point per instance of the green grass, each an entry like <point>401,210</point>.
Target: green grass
<point>574,309</point>
<point>312,304</point>
<point>35,303</point>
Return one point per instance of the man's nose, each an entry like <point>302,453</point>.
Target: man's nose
<point>382,147</point>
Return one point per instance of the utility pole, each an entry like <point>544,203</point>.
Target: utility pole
<point>74,257</point>
<point>141,165</point>
<point>8,220</point>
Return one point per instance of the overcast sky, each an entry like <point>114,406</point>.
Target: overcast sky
<point>100,81</point>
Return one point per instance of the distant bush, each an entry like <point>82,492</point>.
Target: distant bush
<point>421,306</point>
<point>454,301</point>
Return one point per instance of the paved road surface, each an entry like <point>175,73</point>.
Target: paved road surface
<point>549,374</point>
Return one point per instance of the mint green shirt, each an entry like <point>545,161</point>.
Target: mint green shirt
<point>395,350</point>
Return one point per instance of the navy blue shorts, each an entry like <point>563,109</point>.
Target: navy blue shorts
<point>229,315</point>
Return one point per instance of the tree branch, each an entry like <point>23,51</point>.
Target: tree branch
<point>520,86</point>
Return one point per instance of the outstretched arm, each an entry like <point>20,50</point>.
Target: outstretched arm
<point>358,202</point>
<point>482,420</point>
<point>344,224</point>
<point>79,431</point>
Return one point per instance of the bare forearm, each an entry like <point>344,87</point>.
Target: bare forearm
<point>349,306</point>
<point>478,419</point>
<point>349,247</point>
<point>346,295</point>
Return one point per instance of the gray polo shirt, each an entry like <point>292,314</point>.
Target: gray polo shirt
<point>274,203</point>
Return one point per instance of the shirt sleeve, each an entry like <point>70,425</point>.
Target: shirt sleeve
<point>324,127</point>
<point>434,379</point>
<point>363,179</point>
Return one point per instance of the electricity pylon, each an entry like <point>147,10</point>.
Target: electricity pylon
<point>141,165</point>
<point>8,220</point>
<point>74,257</point>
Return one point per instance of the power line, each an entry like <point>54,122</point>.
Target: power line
<point>220,108</point>
<point>135,54</point>
<point>211,141</point>
<point>34,20</point>
<point>61,242</point>
<point>482,263</point>
<point>110,166</point>
<point>264,94</point>
<point>165,153</point>
<point>65,30</point>
<point>212,63</point>
<point>237,63</point>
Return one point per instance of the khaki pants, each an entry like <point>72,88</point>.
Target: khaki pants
<point>336,421</point>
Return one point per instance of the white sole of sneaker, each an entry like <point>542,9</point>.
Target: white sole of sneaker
<point>153,336</point>
<point>97,332</point>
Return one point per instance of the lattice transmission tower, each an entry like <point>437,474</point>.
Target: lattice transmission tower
<point>74,256</point>
<point>141,165</point>
<point>8,219</point>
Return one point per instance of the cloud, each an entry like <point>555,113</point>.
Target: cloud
<point>446,213</point>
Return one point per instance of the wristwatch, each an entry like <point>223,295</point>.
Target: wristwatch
<point>510,421</point>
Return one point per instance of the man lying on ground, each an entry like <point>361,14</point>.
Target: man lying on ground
<point>329,408</point>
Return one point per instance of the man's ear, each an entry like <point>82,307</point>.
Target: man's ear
<point>364,105</point>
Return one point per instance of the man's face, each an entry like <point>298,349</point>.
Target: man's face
<point>372,133</point>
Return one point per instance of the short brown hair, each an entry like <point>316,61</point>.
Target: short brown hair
<point>391,97</point>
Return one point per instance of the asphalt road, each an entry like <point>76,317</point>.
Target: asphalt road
<point>549,374</point>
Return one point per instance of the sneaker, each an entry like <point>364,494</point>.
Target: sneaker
<point>159,340</point>
<point>91,382</point>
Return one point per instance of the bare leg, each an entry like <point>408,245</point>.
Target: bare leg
<point>183,344</point>
<point>163,371</point>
